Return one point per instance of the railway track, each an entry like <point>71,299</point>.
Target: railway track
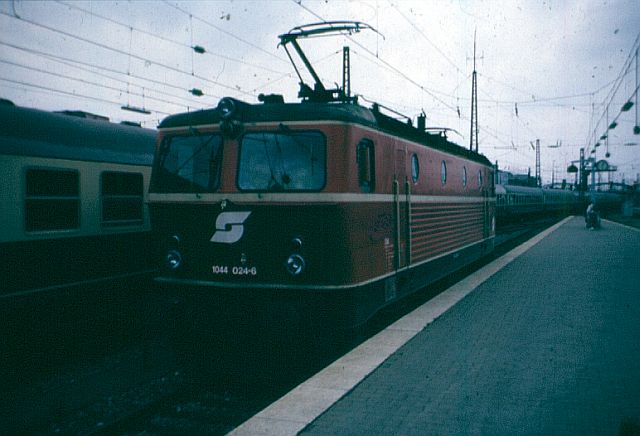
<point>211,398</point>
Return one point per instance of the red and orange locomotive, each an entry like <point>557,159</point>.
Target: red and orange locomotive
<point>324,205</point>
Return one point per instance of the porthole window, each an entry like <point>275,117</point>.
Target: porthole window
<point>464,176</point>
<point>415,168</point>
<point>443,172</point>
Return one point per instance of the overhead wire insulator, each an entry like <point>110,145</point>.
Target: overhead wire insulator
<point>198,49</point>
<point>140,110</point>
<point>197,92</point>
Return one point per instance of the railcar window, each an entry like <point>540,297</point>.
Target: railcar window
<point>366,165</point>
<point>443,172</point>
<point>52,200</point>
<point>415,168</point>
<point>122,199</point>
<point>282,161</point>
<point>188,163</point>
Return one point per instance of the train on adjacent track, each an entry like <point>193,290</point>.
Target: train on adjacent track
<point>524,203</point>
<point>73,199</point>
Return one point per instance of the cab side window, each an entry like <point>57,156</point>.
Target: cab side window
<point>366,165</point>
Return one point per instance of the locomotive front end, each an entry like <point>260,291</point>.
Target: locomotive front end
<point>234,203</point>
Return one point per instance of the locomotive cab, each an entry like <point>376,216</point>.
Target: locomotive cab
<point>233,219</point>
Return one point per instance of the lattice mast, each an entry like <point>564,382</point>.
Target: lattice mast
<point>346,73</point>
<point>473,143</point>
<point>538,169</point>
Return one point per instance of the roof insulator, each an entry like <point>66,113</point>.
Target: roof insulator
<point>140,110</point>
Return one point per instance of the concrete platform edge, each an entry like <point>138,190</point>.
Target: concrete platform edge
<point>301,406</point>
<point>621,225</point>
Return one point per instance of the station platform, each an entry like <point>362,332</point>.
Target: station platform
<point>544,340</point>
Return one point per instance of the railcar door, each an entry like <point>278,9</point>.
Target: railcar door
<point>402,210</point>
<point>486,212</point>
<point>486,205</point>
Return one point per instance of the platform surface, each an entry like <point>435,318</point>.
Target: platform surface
<point>547,341</point>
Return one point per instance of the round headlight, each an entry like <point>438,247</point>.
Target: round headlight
<point>173,260</point>
<point>226,107</point>
<point>295,265</point>
<point>296,243</point>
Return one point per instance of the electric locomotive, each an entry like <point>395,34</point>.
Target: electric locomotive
<point>320,208</point>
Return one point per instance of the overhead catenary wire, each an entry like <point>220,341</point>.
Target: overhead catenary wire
<point>494,104</point>
<point>88,82</point>
<point>400,73</point>
<point>73,94</point>
<point>226,32</point>
<point>89,67</point>
<point>122,52</point>
<point>592,139</point>
<point>191,47</point>
<point>534,100</point>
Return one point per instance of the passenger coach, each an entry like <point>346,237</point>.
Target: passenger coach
<point>72,199</point>
<point>327,208</point>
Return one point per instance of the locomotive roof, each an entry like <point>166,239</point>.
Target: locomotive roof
<point>311,111</point>
<point>32,132</point>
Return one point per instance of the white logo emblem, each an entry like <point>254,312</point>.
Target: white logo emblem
<point>229,228</point>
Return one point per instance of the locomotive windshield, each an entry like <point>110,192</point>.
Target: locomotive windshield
<point>189,164</point>
<point>282,161</point>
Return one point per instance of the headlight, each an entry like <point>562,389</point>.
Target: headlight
<point>295,265</point>
<point>296,243</point>
<point>226,107</point>
<point>173,260</point>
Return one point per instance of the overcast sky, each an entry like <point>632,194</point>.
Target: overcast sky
<point>556,61</point>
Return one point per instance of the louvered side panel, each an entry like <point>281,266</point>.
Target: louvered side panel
<point>439,228</point>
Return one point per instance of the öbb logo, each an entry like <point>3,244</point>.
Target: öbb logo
<point>229,228</point>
